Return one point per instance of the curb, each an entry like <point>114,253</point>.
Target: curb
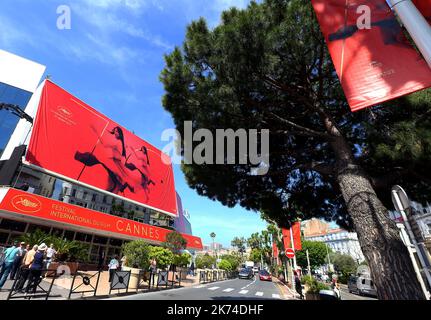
<point>281,284</point>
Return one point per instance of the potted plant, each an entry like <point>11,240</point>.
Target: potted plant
<point>137,255</point>
<point>313,288</point>
<point>182,261</point>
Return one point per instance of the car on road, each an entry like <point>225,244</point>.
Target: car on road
<point>362,285</point>
<point>264,276</point>
<point>246,273</point>
<point>255,269</point>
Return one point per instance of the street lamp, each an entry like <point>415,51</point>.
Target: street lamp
<point>213,235</point>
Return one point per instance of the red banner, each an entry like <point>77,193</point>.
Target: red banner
<point>274,250</point>
<point>73,140</point>
<point>296,227</point>
<point>28,204</point>
<point>424,6</point>
<point>374,65</point>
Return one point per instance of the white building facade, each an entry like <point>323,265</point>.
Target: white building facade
<point>341,241</point>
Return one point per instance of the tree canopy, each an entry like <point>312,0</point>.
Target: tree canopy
<point>316,251</point>
<point>268,67</point>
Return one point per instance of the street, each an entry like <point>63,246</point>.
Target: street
<point>236,289</point>
<point>345,295</point>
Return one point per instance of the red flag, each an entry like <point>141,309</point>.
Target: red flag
<point>373,65</point>
<point>296,227</point>
<point>274,250</point>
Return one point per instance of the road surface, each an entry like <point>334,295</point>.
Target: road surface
<point>345,295</point>
<point>235,289</point>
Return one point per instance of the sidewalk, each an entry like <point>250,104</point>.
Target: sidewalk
<point>286,292</point>
<point>61,287</point>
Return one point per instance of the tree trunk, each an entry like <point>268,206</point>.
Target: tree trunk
<point>391,268</point>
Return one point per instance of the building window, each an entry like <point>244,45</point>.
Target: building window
<point>100,240</point>
<point>3,238</point>
<point>34,227</point>
<point>74,193</point>
<point>83,237</point>
<point>69,235</point>
<point>13,225</point>
<point>94,197</point>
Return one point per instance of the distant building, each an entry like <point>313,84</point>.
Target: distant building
<point>216,246</point>
<point>182,223</point>
<point>339,240</point>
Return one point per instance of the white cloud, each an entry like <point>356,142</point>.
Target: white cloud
<point>106,21</point>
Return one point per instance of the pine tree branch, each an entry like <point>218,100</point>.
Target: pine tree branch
<point>300,129</point>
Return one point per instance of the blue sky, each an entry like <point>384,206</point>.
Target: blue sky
<point>111,58</point>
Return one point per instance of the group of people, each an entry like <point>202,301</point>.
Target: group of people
<point>25,265</point>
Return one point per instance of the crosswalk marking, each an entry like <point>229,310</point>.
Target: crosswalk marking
<point>228,290</point>
<point>200,286</point>
<point>213,288</point>
<point>276,296</point>
<point>259,293</point>
<point>243,291</point>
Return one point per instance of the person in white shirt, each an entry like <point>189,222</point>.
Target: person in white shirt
<point>113,266</point>
<point>50,254</point>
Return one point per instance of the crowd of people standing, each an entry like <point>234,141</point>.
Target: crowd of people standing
<point>25,265</point>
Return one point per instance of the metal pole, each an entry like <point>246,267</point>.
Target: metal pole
<point>293,247</point>
<point>327,254</point>
<point>410,241</point>
<point>417,26</point>
<point>308,262</point>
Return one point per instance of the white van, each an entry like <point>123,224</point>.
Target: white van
<point>362,285</point>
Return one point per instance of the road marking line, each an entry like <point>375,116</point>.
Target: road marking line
<point>243,291</point>
<point>228,290</point>
<point>213,288</point>
<point>201,286</point>
<point>259,293</point>
<point>276,296</point>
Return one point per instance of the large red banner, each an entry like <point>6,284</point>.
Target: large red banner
<point>287,238</point>
<point>73,140</point>
<point>374,65</point>
<point>27,204</point>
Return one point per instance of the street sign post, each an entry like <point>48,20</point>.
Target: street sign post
<point>290,253</point>
<point>402,205</point>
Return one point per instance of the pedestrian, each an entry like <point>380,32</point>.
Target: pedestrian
<point>336,286</point>
<point>36,267</point>
<point>113,266</point>
<point>50,255</point>
<point>123,262</point>
<point>298,285</point>
<point>9,258</point>
<point>153,270</point>
<point>17,262</point>
<point>25,268</point>
<point>101,259</point>
<point>192,269</point>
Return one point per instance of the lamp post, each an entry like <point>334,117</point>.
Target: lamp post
<point>213,235</point>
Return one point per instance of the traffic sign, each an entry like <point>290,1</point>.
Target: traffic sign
<point>290,253</point>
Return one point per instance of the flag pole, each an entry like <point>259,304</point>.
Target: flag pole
<point>415,23</point>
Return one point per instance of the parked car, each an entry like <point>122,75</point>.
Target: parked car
<point>255,269</point>
<point>246,273</point>
<point>264,276</point>
<point>362,285</point>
